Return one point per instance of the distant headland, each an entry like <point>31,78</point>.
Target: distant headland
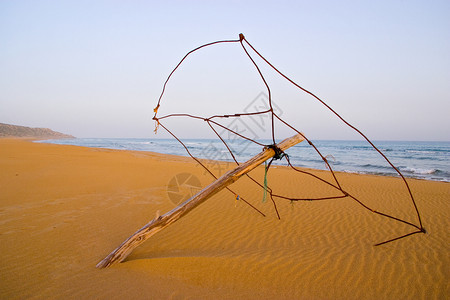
<point>7,130</point>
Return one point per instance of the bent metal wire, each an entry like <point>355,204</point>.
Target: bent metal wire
<point>211,121</point>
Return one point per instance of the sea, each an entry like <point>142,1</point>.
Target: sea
<point>422,160</point>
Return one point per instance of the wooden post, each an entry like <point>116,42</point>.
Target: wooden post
<point>121,252</point>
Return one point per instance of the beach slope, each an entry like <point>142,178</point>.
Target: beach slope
<point>64,208</point>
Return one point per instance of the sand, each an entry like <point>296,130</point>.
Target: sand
<point>64,208</point>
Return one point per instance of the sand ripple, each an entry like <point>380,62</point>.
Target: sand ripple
<point>60,216</point>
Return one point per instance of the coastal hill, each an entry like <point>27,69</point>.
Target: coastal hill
<point>7,130</point>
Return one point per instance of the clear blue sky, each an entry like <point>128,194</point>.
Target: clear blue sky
<point>96,68</point>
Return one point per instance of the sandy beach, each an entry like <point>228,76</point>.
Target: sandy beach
<point>64,208</point>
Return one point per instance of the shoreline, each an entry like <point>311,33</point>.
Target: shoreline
<point>64,208</point>
<point>392,174</point>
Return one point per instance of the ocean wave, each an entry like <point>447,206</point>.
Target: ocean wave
<point>372,166</point>
<point>428,150</point>
<point>419,171</point>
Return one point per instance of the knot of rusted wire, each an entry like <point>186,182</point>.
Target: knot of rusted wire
<point>279,154</point>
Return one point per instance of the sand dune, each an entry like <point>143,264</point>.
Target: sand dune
<point>64,208</point>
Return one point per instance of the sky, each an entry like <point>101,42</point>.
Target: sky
<point>97,68</point>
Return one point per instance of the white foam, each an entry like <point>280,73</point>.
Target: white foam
<point>419,171</point>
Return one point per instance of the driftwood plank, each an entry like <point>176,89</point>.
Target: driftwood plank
<point>156,225</point>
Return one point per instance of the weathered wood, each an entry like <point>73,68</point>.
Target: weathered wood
<point>159,223</point>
